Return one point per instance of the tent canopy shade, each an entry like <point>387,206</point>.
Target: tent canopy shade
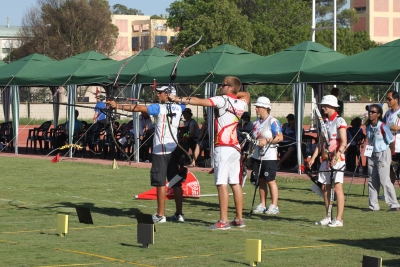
<point>203,67</point>
<point>377,65</point>
<point>286,66</point>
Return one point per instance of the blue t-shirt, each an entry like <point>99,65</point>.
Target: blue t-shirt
<point>99,106</point>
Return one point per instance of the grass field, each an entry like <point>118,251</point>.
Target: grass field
<point>33,191</point>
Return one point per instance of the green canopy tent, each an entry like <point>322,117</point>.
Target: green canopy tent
<point>10,78</point>
<point>2,63</point>
<point>141,63</point>
<point>200,68</point>
<point>72,70</point>
<point>286,67</point>
<point>377,65</point>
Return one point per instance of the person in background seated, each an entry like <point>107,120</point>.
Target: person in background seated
<point>335,91</point>
<point>353,150</point>
<point>190,132</point>
<point>289,139</point>
<point>78,126</point>
<point>204,142</point>
<point>245,126</point>
<point>146,133</point>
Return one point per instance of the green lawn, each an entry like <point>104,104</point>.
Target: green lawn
<point>34,191</point>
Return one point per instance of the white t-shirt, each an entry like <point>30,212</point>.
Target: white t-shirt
<point>230,109</point>
<point>392,118</point>
<point>260,127</point>
<point>163,143</point>
<point>333,124</point>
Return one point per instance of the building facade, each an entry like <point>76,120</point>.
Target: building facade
<point>380,18</point>
<point>137,32</point>
<point>8,35</point>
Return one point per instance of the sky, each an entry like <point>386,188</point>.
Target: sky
<point>15,9</point>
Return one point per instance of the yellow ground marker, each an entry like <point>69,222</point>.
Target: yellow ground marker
<point>62,224</point>
<point>253,251</point>
<point>103,257</point>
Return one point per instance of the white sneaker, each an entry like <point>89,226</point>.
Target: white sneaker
<point>259,209</point>
<point>336,223</point>
<point>177,218</point>
<point>272,209</point>
<point>324,221</point>
<point>158,219</point>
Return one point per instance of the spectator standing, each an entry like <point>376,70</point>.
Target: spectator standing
<point>204,140</point>
<point>229,106</point>
<point>381,140</point>
<point>166,154</point>
<point>146,135</point>
<point>191,133</point>
<point>392,120</point>
<point>336,128</point>
<point>266,129</point>
<point>99,115</point>
<point>354,150</point>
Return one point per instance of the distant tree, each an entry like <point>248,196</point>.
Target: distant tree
<point>277,24</point>
<point>123,10</point>
<point>63,28</point>
<point>157,17</point>
<point>219,21</point>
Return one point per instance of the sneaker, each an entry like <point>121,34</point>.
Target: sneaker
<point>177,218</point>
<point>259,209</point>
<point>221,226</point>
<point>336,223</point>
<point>324,221</point>
<point>272,209</point>
<point>238,223</point>
<point>158,219</point>
<point>393,209</point>
<point>294,169</point>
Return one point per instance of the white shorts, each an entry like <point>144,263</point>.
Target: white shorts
<point>324,176</point>
<point>226,165</point>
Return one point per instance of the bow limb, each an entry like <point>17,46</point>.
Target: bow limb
<point>173,71</point>
<point>172,76</point>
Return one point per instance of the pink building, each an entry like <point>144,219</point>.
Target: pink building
<point>380,18</point>
<point>137,32</point>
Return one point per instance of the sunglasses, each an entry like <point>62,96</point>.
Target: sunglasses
<point>388,99</point>
<point>224,84</point>
<point>372,111</point>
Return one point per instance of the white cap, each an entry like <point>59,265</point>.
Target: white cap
<point>264,102</point>
<point>171,90</point>
<point>330,100</point>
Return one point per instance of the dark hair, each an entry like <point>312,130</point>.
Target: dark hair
<point>395,95</point>
<point>380,111</point>
<point>357,122</point>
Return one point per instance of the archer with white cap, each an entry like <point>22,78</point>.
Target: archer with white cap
<point>166,154</point>
<point>332,159</point>
<point>267,130</point>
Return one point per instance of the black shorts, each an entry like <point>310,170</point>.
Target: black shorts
<point>268,169</point>
<point>191,143</point>
<point>165,166</point>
